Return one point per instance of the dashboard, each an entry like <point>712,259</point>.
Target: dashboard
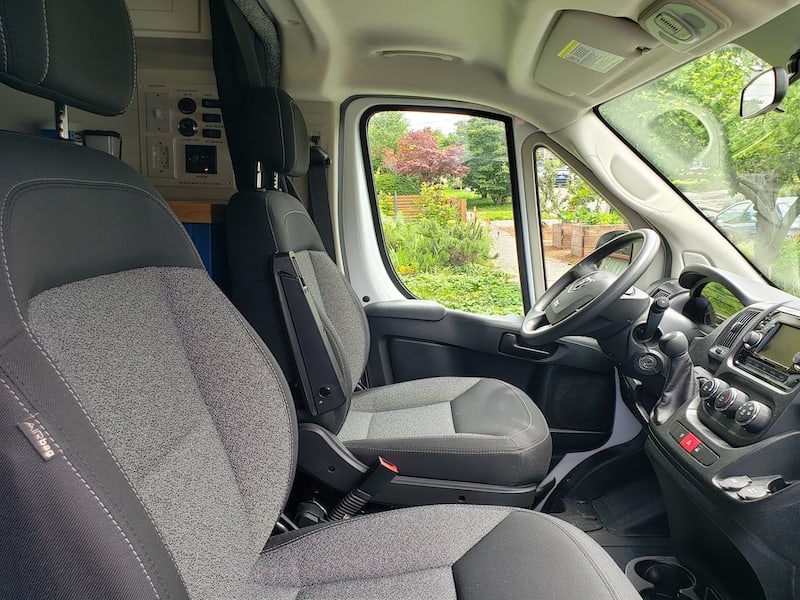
<point>728,459</point>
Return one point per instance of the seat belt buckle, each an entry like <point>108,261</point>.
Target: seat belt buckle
<point>378,477</point>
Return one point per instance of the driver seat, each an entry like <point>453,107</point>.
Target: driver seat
<point>464,429</point>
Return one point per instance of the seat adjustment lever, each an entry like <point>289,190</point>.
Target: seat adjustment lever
<point>378,477</point>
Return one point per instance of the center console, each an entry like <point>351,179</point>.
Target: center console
<point>728,460</point>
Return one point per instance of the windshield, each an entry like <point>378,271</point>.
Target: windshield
<point>741,174</point>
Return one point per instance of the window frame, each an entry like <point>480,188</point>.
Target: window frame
<point>508,122</point>
<point>633,219</point>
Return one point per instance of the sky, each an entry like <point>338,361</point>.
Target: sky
<point>444,122</point>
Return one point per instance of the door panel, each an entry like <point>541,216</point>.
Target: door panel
<point>571,381</point>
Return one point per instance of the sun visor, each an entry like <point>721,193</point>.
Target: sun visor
<point>585,51</point>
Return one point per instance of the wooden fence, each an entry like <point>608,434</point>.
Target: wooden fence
<point>408,207</point>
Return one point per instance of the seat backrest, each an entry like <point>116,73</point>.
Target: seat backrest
<point>147,437</point>
<point>263,223</point>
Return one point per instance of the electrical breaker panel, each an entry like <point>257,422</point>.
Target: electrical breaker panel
<point>184,150</point>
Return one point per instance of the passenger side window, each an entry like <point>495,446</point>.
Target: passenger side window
<point>444,202</point>
<point>574,218</point>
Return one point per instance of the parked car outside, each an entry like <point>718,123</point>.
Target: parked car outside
<point>738,220</point>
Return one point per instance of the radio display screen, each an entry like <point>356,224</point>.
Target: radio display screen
<point>782,346</point>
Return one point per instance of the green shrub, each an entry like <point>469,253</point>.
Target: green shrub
<point>697,184</point>
<point>386,204</point>
<point>391,183</point>
<point>428,245</point>
<point>591,217</point>
<point>439,257</point>
<point>477,289</point>
<point>434,205</point>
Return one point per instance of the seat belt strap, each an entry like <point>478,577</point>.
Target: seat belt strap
<point>318,199</point>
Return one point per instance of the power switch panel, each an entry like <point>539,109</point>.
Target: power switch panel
<point>157,111</point>
<point>183,142</point>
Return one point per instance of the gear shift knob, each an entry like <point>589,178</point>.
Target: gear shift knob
<point>679,382</point>
<point>673,344</point>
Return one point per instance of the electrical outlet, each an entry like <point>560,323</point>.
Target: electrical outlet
<point>161,162</point>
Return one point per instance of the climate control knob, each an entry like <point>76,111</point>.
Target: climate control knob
<point>729,401</point>
<point>710,389</point>
<point>753,416</point>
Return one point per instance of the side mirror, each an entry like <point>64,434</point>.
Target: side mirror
<point>764,92</point>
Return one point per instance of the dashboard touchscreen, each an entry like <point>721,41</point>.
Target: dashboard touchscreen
<point>782,346</point>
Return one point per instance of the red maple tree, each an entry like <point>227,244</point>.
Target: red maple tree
<point>418,154</point>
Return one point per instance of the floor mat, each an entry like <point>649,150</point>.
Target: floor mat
<point>581,514</point>
<point>636,509</point>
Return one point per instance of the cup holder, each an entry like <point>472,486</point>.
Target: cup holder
<point>658,578</point>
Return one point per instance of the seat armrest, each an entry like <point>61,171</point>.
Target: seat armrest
<point>419,310</point>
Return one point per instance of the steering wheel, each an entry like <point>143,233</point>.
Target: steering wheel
<point>585,291</point>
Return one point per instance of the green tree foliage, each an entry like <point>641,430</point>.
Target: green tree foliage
<point>391,183</point>
<point>487,157</point>
<point>383,131</point>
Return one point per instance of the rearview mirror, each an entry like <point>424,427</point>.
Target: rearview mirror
<point>764,92</point>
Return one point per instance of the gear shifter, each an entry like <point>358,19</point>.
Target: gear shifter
<point>679,381</point>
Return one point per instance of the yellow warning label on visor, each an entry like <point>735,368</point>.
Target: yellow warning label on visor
<point>589,57</point>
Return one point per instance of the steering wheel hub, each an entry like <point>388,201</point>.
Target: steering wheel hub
<point>577,303</point>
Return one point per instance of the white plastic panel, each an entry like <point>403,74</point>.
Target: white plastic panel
<point>184,150</point>
<point>170,18</point>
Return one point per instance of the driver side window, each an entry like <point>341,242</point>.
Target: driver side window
<point>574,218</point>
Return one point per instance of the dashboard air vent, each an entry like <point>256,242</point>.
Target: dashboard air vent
<point>661,293</point>
<point>735,327</point>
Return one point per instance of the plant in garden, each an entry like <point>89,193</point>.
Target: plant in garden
<point>392,183</point>
<point>418,154</point>
<point>438,239</point>
<point>434,204</point>
<point>477,289</point>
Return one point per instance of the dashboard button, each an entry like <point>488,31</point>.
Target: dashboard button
<point>689,442</point>
<point>704,455</point>
<point>735,483</point>
<point>753,492</point>
<point>678,431</point>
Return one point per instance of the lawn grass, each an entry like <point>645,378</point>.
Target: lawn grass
<point>488,210</point>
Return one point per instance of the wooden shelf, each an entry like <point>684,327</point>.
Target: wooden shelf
<point>197,212</point>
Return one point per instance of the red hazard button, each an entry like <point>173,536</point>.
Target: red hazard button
<point>689,442</point>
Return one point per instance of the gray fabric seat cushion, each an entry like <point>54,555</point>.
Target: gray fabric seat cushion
<point>442,552</point>
<point>454,428</point>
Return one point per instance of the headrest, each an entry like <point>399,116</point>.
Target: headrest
<point>79,52</point>
<point>274,132</point>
